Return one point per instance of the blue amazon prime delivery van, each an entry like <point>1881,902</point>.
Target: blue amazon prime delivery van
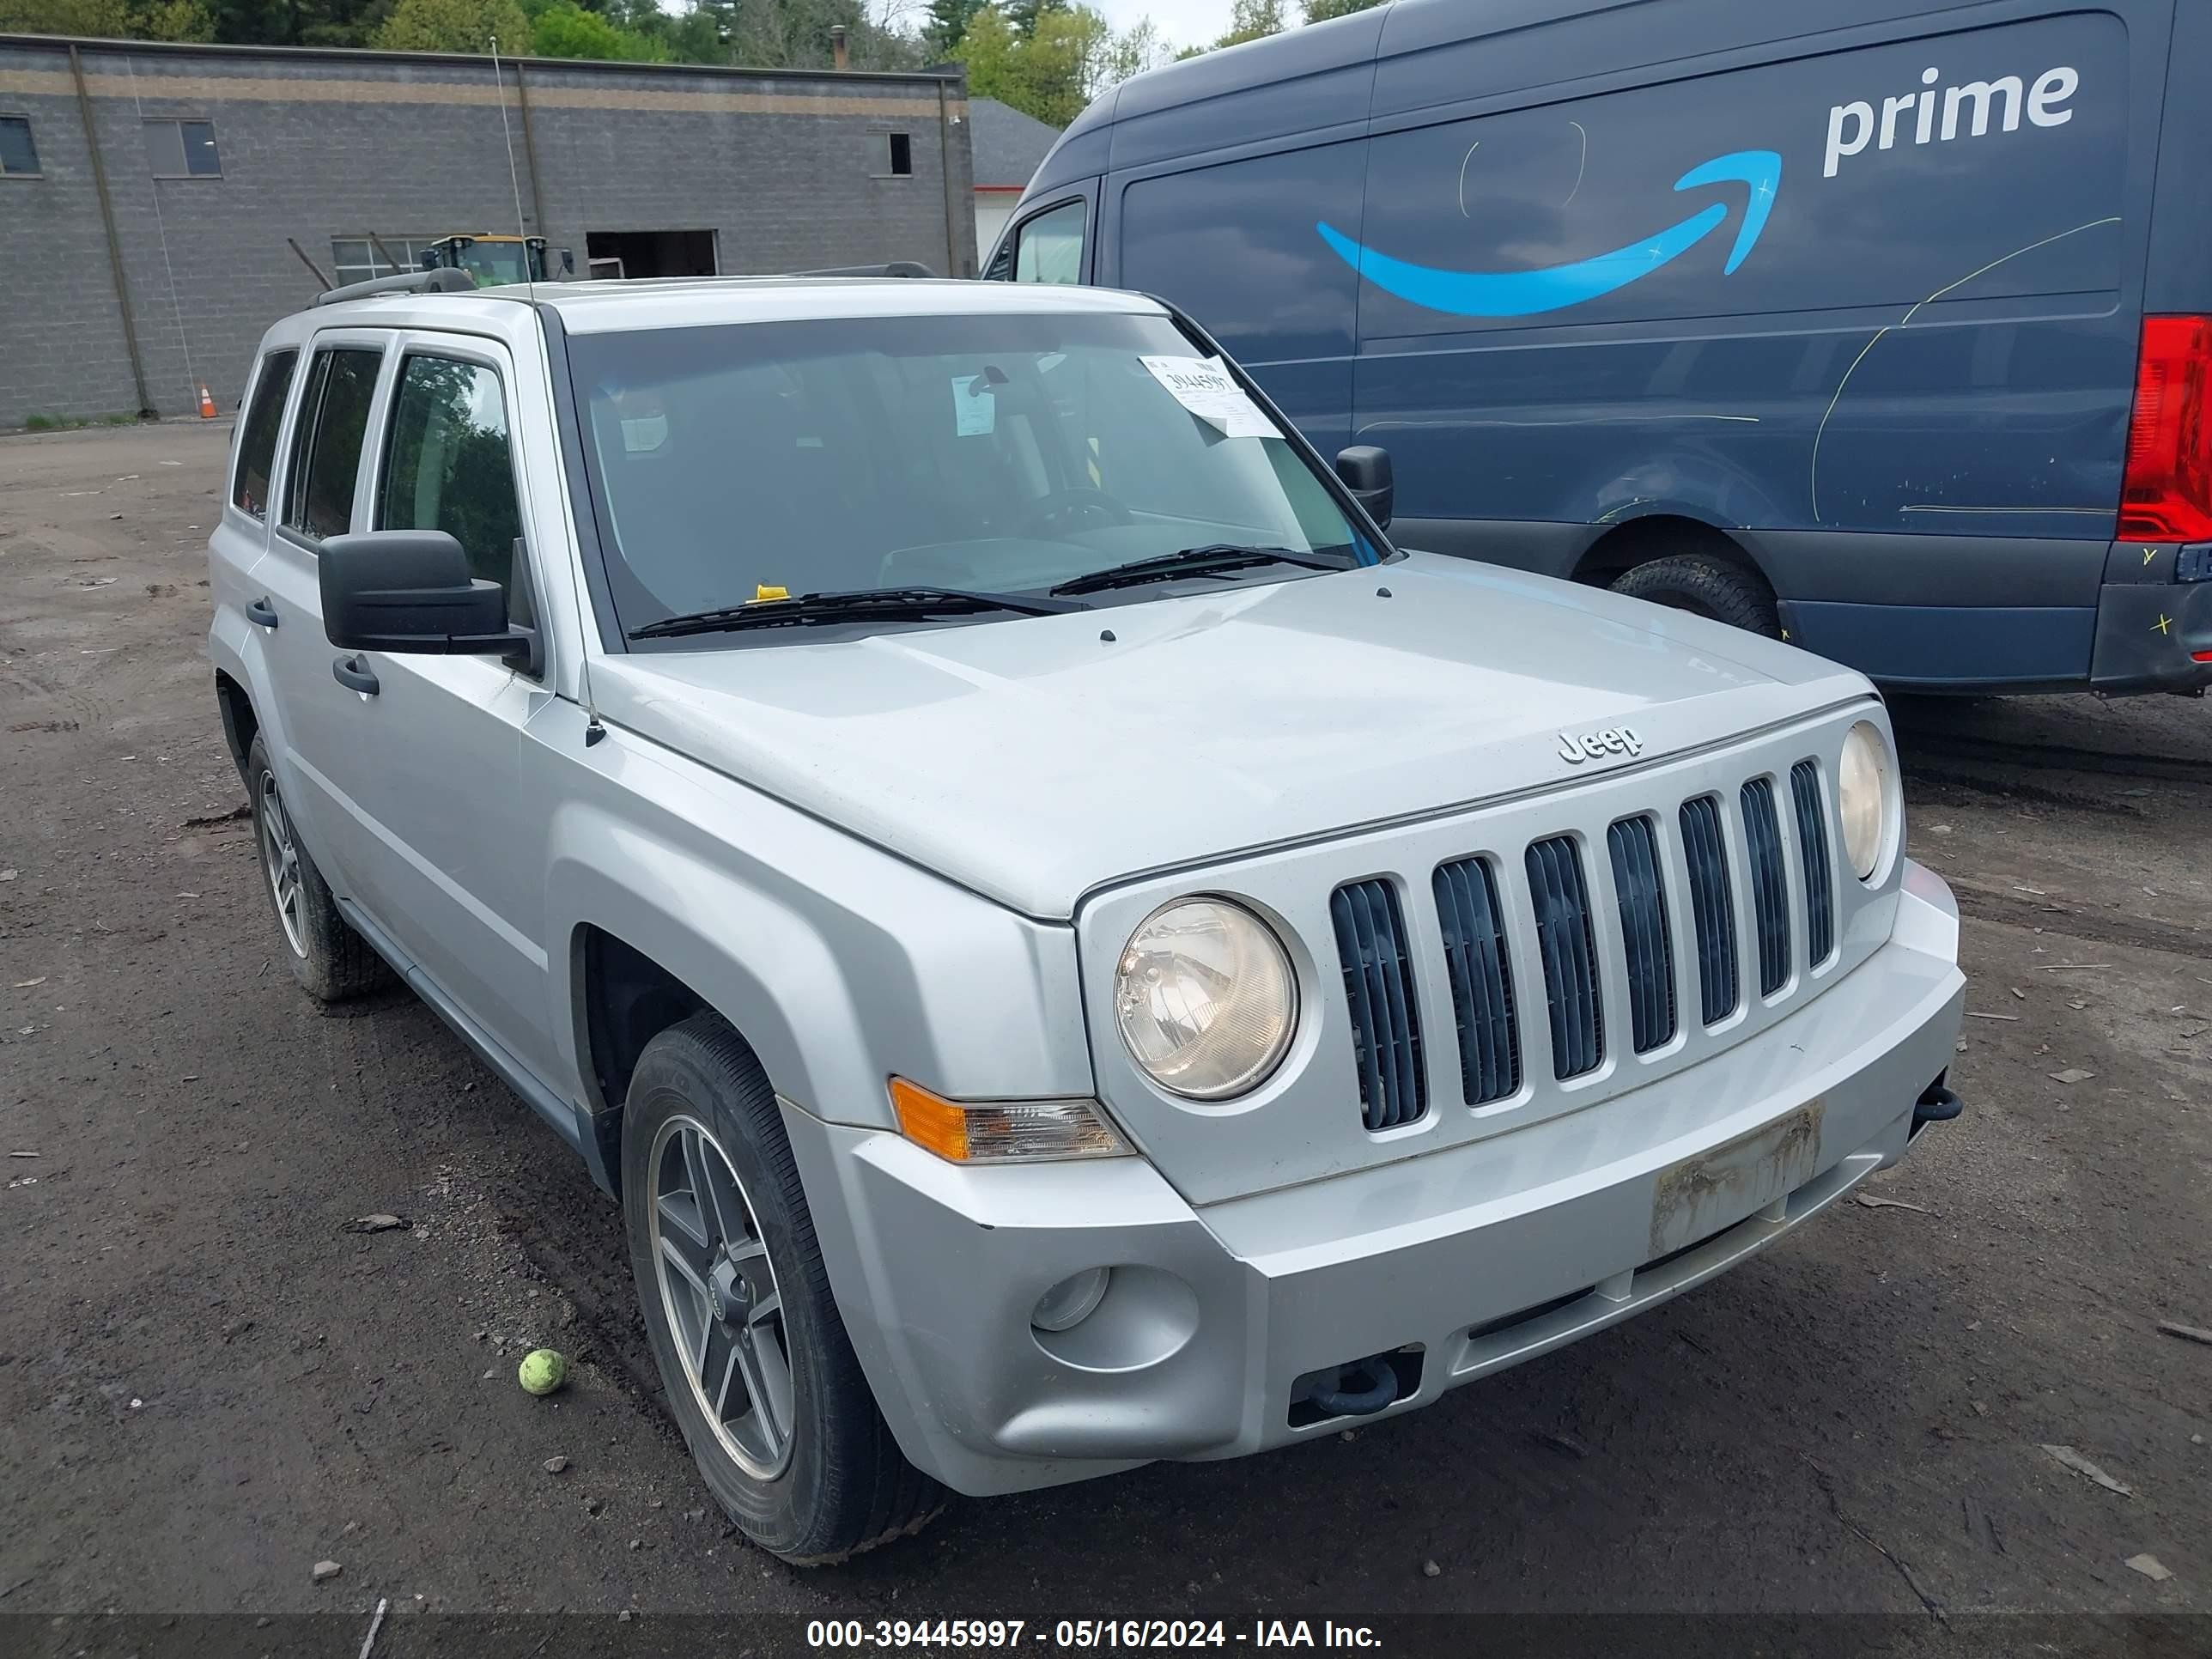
<point>1883,326</point>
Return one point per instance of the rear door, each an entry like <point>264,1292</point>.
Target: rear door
<point>313,499</point>
<point>243,616</point>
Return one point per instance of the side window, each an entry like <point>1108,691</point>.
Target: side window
<point>1050,247</point>
<point>449,466</point>
<point>327,442</point>
<point>256,441</point>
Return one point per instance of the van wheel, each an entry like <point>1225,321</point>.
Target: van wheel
<point>330,961</point>
<point>759,1372</point>
<point>1709,587</point>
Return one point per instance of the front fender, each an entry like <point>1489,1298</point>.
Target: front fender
<point>840,965</point>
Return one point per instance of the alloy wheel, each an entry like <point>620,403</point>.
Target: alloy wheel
<point>280,859</point>
<point>719,1290</point>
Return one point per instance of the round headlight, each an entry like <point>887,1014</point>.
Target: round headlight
<point>1865,786</point>
<point>1205,1000</point>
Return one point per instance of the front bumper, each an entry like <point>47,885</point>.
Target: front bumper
<point>1463,1261</point>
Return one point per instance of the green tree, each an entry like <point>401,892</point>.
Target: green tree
<point>1250,20</point>
<point>1048,73</point>
<point>455,26</point>
<point>1319,11</point>
<point>565,29</point>
<point>121,20</point>
<point>1136,49</point>
<point>948,21</point>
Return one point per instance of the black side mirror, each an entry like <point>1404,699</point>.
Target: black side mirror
<point>1365,470</point>
<point>407,591</point>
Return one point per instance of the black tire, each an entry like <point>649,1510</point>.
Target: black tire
<point>843,1485</point>
<point>330,960</point>
<point>1709,587</point>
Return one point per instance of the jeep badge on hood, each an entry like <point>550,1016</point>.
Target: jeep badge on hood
<point>1596,746</point>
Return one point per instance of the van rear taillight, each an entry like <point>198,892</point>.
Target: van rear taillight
<point>2167,496</point>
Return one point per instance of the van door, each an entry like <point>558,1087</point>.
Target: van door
<point>1234,246</point>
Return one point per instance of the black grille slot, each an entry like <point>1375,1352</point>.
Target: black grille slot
<point>1378,983</point>
<point>1481,980</point>
<point>1712,907</point>
<point>1563,929</point>
<point>1770,884</point>
<point>1813,852</point>
<point>1644,934</point>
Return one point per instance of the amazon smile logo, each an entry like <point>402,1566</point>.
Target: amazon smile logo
<point>1530,293</point>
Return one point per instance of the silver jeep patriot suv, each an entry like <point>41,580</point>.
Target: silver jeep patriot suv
<point>1067,946</point>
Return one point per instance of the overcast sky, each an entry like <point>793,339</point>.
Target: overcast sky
<point>1186,22</point>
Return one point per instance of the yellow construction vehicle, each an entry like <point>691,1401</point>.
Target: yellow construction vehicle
<point>491,258</point>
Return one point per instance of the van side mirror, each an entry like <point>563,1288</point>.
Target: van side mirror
<point>409,591</point>
<point>1365,470</point>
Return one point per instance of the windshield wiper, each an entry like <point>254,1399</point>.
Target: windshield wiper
<point>1215,559</point>
<point>862,604</point>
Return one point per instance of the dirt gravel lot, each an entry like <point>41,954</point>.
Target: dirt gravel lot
<point>207,1384</point>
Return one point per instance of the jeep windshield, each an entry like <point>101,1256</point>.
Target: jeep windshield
<point>1012,456</point>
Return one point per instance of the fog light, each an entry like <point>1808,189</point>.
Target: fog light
<point>1071,1301</point>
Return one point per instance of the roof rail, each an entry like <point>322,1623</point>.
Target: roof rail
<point>895,268</point>
<point>444,280</point>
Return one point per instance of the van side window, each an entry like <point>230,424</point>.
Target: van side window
<point>449,466</point>
<point>326,444</point>
<point>1050,248</point>
<point>256,443</point>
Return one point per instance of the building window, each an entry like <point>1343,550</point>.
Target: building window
<point>18,154</point>
<point>362,258</point>
<point>182,149</point>
<point>892,156</point>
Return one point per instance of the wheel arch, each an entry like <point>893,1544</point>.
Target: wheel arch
<point>240,723</point>
<point>1649,537</point>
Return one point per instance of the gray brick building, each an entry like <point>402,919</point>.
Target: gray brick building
<point>179,175</point>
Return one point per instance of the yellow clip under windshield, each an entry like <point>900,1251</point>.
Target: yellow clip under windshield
<point>763,591</point>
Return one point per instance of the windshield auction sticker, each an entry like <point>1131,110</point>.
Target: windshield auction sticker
<point>1203,385</point>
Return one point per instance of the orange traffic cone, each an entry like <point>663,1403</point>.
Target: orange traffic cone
<point>206,403</point>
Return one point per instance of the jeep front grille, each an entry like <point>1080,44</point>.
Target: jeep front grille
<point>1770,887</point>
<point>1481,980</point>
<point>1643,938</point>
<point>1378,982</point>
<point>1563,930</point>
<point>1820,896</point>
<point>1673,886</point>
<point>1714,905</point>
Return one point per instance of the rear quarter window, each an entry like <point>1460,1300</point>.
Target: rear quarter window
<point>257,440</point>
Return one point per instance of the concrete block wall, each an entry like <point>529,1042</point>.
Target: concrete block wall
<point>318,145</point>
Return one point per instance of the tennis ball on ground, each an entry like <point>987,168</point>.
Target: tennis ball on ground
<point>543,1370</point>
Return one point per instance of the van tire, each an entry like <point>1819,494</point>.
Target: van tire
<point>330,961</point>
<point>1709,586</point>
<point>842,1485</point>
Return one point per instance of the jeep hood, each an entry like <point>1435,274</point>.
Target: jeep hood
<point>1028,759</point>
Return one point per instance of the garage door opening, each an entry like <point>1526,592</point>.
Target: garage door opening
<point>651,253</point>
